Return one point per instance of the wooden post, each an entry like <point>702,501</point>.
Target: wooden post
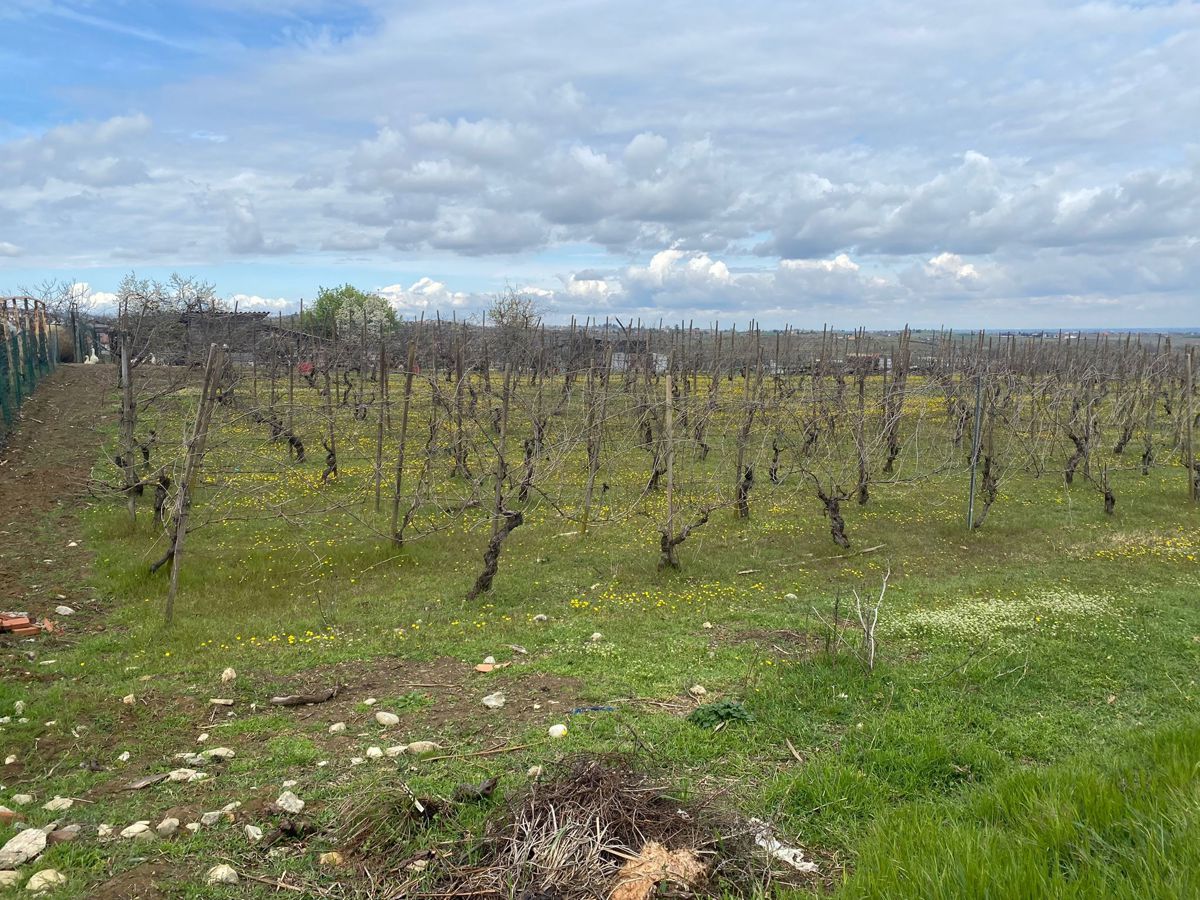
<point>669,439</point>
<point>405,406</point>
<point>379,428</point>
<point>975,451</point>
<point>194,455</point>
<point>1190,459</point>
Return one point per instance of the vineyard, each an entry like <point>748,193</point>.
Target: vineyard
<point>512,609</point>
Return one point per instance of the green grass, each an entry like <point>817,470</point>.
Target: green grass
<point>1030,728</point>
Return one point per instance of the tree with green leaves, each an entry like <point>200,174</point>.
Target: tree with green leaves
<point>342,308</point>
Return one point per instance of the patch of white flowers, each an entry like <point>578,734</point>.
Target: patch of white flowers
<point>1009,619</point>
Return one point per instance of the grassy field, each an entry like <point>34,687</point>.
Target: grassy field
<point>1030,727</point>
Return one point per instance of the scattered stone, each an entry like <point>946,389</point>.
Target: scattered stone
<point>494,701</point>
<point>220,701</point>
<point>337,727</point>
<point>203,739</point>
<point>370,701</point>
<point>218,753</point>
<point>534,773</point>
<point>19,707</point>
<point>230,807</point>
<point>558,731</point>
<point>45,880</point>
<point>186,775</point>
<point>222,874</point>
<point>10,759</point>
<point>23,847</point>
<point>64,611</point>
<point>697,690</point>
<point>596,637</point>
<point>63,835</point>
<point>357,760</point>
<point>6,815</point>
<point>254,834</point>
<point>374,753</point>
<point>167,827</point>
<point>193,827</point>
<point>129,699</point>
<point>420,748</point>
<point>541,617</point>
<point>228,675</point>
<point>104,831</point>
<point>333,858</point>
<point>58,804</point>
<point>124,757</point>
<point>289,802</point>
<point>211,818</point>
<point>489,660</point>
<point>393,752</point>
<point>9,878</point>
<point>387,719</point>
<point>707,625</point>
<point>290,783</point>
<point>140,831</point>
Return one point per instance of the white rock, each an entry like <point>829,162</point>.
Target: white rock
<point>697,690</point>
<point>104,831</point>
<point>290,783</point>
<point>218,753</point>
<point>9,878</point>
<point>10,759</point>
<point>129,699</point>
<point>253,833</point>
<point>220,701</point>
<point>64,611</point>
<point>58,804</point>
<point>707,625</point>
<point>211,818</point>
<point>124,757</point>
<point>222,874</point>
<point>139,830</point>
<point>558,731</point>
<point>534,773</point>
<point>167,827</point>
<point>19,707</point>
<point>45,880</point>
<point>387,719</point>
<point>370,701</point>
<point>193,827</point>
<point>289,802</point>
<point>357,760</point>
<point>494,701</point>
<point>420,748</point>
<point>203,739</point>
<point>541,617</point>
<point>489,660</point>
<point>337,727</point>
<point>22,799</point>
<point>23,847</point>
<point>790,597</point>
<point>230,807</point>
<point>228,675</point>
<point>186,775</point>
<point>393,752</point>
<point>374,753</point>
<point>596,637</point>
<point>322,763</point>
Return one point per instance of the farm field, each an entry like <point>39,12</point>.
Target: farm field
<point>1027,726</point>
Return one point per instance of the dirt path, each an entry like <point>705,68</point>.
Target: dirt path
<point>43,478</point>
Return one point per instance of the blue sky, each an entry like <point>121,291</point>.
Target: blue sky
<point>1024,164</point>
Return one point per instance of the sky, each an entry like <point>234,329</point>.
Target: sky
<point>1018,164</point>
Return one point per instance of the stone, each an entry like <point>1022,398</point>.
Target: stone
<point>393,752</point>
<point>64,611</point>
<point>790,597</point>
<point>228,675</point>
<point>374,753</point>
<point>167,827</point>
<point>218,753</point>
<point>211,818</point>
<point>6,815</point>
<point>220,701</point>
<point>129,699</point>
<point>124,757</point>
<point>558,731</point>
<point>289,802</point>
<point>596,637</point>
<point>541,617</point>
<point>420,748</point>
<point>222,874</point>
<point>58,804</point>
<point>387,719</point>
<point>494,701</point>
<point>9,878</point>
<point>63,835</point>
<point>22,799</point>
<point>193,827</point>
<point>370,701</point>
<point>697,690</point>
<point>253,833</point>
<point>45,880</point>
<point>534,773</point>
<point>230,807</point>
<point>186,775</point>
<point>337,727</point>
<point>202,739</point>
<point>139,831</point>
<point>19,707</point>
<point>332,858</point>
<point>290,783</point>
<point>104,831</point>
<point>21,848</point>
<point>489,660</point>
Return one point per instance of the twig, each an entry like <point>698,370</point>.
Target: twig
<point>492,752</point>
